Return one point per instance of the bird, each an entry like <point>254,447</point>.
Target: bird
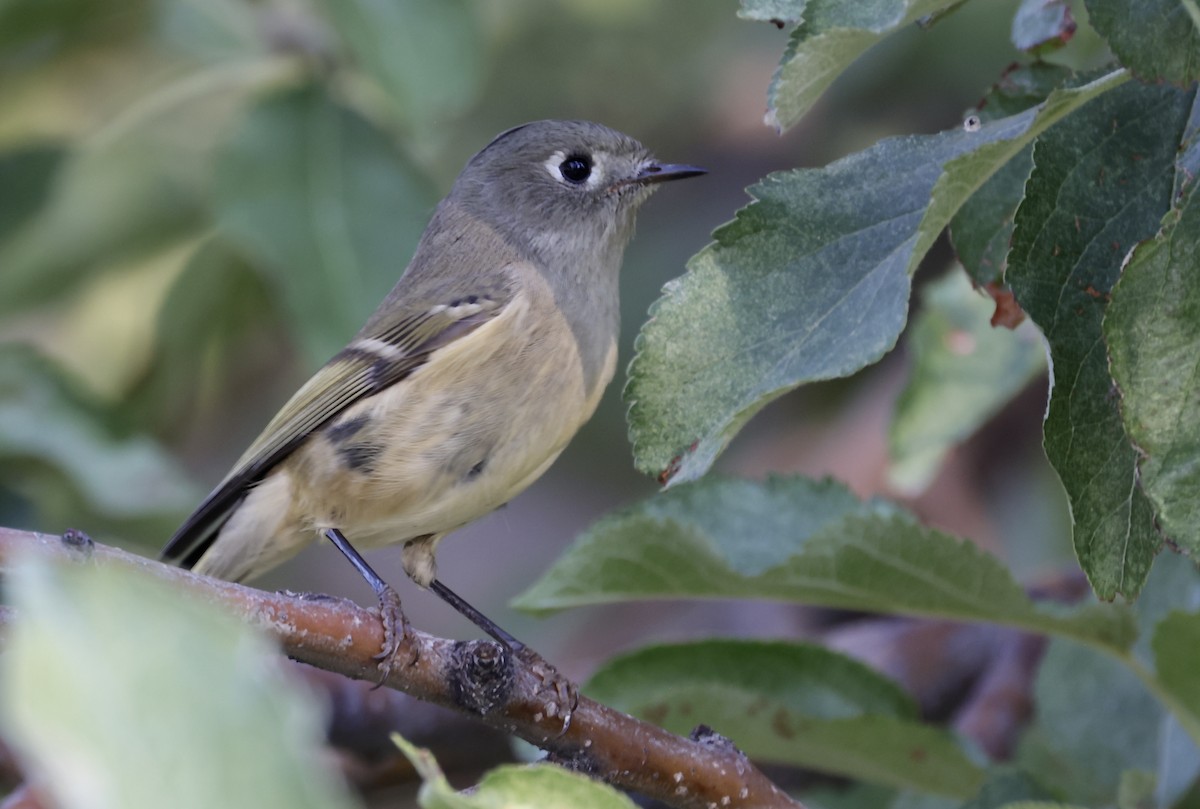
<point>491,351</point>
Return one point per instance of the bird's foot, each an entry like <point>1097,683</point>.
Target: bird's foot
<point>561,695</point>
<point>396,635</point>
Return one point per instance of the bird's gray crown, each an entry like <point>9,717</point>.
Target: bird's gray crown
<point>575,180</point>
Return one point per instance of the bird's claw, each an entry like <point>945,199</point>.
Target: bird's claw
<point>396,635</point>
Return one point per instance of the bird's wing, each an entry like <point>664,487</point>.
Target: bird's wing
<point>390,348</point>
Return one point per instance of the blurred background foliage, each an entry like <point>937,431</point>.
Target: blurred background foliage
<point>201,200</point>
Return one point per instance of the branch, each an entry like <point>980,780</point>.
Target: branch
<point>480,678</point>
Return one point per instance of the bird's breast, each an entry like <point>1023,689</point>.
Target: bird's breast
<point>462,435</point>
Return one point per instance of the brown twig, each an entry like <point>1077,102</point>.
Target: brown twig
<point>476,677</point>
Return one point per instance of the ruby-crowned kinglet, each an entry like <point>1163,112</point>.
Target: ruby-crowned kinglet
<point>464,385</point>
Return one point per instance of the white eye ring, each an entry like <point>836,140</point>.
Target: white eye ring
<point>555,163</point>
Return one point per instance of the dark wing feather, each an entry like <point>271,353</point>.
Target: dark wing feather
<point>409,337</point>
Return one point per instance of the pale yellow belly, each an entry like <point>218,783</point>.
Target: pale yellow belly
<point>435,462</point>
<point>461,436</point>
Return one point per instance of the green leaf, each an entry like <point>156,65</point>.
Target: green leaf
<point>790,704</point>
<point>919,799</point>
<point>540,786</point>
<point>879,749</point>
<point>842,794</point>
<point>1094,720</point>
<point>425,54</point>
<point>1177,660</point>
<point>773,11</point>
<point>792,539</point>
<point>115,200</point>
<point>26,175</point>
<point>1099,185</point>
<point>1042,25</point>
<point>215,313</point>
<point>1173,586</point>
<point>858,795</point>
<point>49,428</point>
<point>1136,789</point>
<point>963,372</point>
<point>803,679</point>
<point>51,27</point>
<point>212,30</point>
<point>809,282</point>
<point>133,186</point>
<point>326,204</point>
<point>1158,40</point>
<point>967,172</point>
<point>1100,719</point>
<point>916,799</point>
<point>831,36</point>
<point>982,229</point>
<point>1152,328</point>
<point>1005,786</point>
<point>1178,763</point>
<point>196,710</point>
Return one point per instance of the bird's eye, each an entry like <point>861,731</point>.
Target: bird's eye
<point>576,168</point>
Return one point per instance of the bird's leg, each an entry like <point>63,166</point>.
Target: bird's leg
<point>395,625</point>
<point>563,694</point>
<point>474,616</point>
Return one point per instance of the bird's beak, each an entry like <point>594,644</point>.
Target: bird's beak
<point>661,172</point>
